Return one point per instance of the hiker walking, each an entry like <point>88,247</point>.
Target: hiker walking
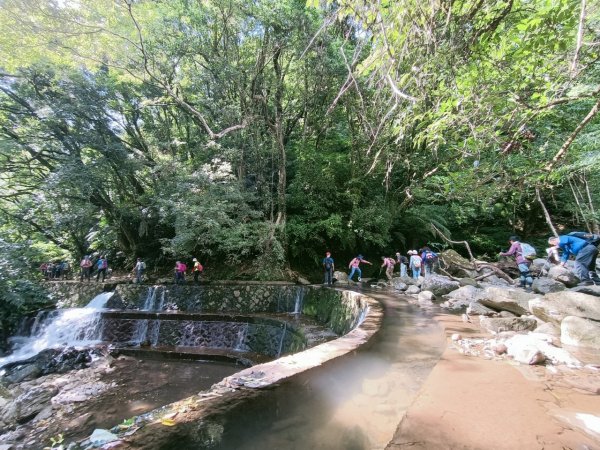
<point>583,246</point>
<point>516,250</point>
<point>86,268</point>
<point>102,266</point>
<point>414,263</point>
<point>403,261</point>
<point>389,264</point>
<point>196,269</point>
<point>180,269</point>
<point>328,267</point>
<point>138,269</point>
<point>354,265</point>
<point>428,258</point>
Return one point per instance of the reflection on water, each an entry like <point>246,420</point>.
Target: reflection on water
<point>355,402</point>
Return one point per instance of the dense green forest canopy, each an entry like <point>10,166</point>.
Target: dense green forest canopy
<point>256,134</point>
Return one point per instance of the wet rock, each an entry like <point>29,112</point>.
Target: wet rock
<point>462,297</point>
<point>580,332</point>
<point>413,289</point>
<point>426,296</point>
<point>399,283</point>
<point>303,281</point>
<point>506,299</point>
<point>19,373</point>
<point>27,405</point>
<point>555,306</point>
<point>477,309</point>
<point>100,437</point>
<point>564,275</point>
<point>439,285</point>
<point>497,324</point>
<point>546,285</point>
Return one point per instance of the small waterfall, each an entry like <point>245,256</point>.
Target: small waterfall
<point>282,339</point>
<point>298,300</point>
<point>74,327</point>
<point>147,331</point>
<point>150,303</point>
<point>241,338</point>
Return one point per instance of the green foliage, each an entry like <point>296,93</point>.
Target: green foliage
<point>19,292</point>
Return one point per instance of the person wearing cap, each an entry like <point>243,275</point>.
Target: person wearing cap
<point>403,261</point>
<point>197,269</point>
<point>354,265</point>
<point>329,267</point>
<point>415,264</point>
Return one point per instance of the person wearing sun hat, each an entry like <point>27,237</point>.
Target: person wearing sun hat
<point>196,269</point>
<point>354,265</point>
<point>415,263</point>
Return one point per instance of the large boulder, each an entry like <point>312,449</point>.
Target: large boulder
<point>590,290</point>
<point>477,309</point>
<point>462,297</point>
<point>564,275</point>
<point>554,307</point>
<point>456,265</point>
<point>28,404</point>
<point>426,296</point>
<point>506,299</point>
<point>580,332</point>
<point>498,324</point>
<point>546,285</point>
<point>399,283</point>
<point>535,348</point>
<point>340,277</point>
<point>439,284</point>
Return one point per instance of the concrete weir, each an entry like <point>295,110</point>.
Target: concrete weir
<point>348,393</point>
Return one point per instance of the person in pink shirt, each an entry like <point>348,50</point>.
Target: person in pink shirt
<point>354,265</point>
<point>180,269</point>
<point>389,264</point>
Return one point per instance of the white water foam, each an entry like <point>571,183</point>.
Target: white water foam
<point>73,327</point>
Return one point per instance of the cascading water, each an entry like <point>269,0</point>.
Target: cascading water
<point>147,331</point>
<point>74,327</point>
<point>299,298</point>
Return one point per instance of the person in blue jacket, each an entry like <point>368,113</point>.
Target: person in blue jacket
<point>585,255</point>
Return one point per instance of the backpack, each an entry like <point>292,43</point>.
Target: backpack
<point>430,257</point>
<point>417,262</point>
<point>105,264</point>
<point>590,238</point>
<point>527,251</point>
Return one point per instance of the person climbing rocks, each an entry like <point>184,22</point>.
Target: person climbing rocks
<point>197,269</point>
<point>138,269</point>
<point>525,278</point>
<point>585,253</point>
<point>354,265</point>
<point>328,267</point>
<point>403,261</point>
<point>389,264</point>
<point>428,258</point>
<point>86,268</point>
<point>415,263</point>
<point>102,266</point>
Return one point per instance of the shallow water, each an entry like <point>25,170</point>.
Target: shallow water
<point>354,402</point>
<point>145,384</point>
